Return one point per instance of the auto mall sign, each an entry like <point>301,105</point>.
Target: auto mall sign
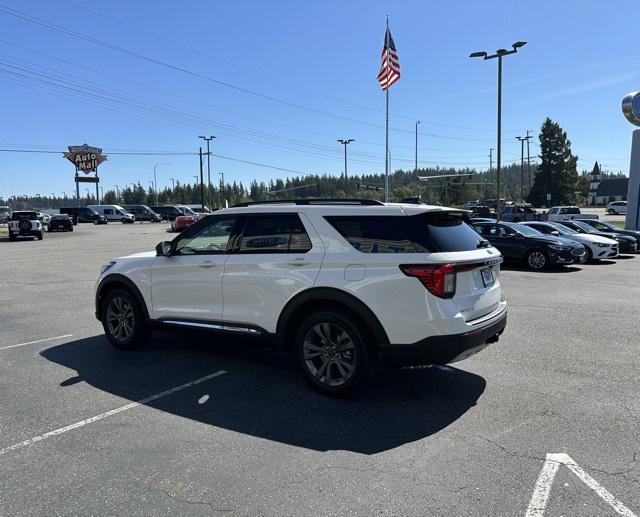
<point>85,158</point>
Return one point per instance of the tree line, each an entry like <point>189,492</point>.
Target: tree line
<point>555,174</point>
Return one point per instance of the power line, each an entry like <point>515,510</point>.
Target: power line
<point>51,26</point>
<point>260,74</point>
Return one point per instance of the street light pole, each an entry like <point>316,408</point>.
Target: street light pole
<point>345,142</point>
<point>500,53</point>
<point>521,139</point>
<point>415,170</point>
<point>208,139</point>
<point>155,181</point>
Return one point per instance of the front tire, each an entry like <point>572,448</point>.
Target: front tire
<point>333,354</point>
<point>123,320</point>
<point>40,236</point>
<point>537,260</point>
<point>611,211</point>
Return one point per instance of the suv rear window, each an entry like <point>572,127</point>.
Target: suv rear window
<point>570,211</point>
<point>16,216</point>
<point>274,233</point>
<point>430,232</point>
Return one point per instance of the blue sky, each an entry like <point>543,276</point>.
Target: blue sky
<point>298,75</point>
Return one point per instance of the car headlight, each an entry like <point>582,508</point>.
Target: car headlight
<point>601,244</point>
<point>559,247</point>
<point>106,267</point>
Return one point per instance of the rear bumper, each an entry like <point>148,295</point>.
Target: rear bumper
<point>444,349</point>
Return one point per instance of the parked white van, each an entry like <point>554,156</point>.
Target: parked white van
<point>114,213</point>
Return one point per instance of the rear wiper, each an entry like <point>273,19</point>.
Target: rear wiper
<point>483,244</point>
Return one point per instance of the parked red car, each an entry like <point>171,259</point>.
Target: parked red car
<point>181,222</point>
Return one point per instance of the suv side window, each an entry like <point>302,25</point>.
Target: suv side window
<point>553,211</point>
<point>274,233</point>
<point>211,238</point>
<point>108,211</point>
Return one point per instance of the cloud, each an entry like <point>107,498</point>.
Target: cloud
<point>581,87</point>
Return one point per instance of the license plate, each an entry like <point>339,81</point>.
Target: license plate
<point>487,277</point>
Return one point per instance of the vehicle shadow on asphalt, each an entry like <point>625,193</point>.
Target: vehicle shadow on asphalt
<point>264,396</point>
<point>515,266</point>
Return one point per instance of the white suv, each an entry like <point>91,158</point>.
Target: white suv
<point>340,283</point>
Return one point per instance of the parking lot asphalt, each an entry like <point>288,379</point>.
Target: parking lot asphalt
<point>201,425</point>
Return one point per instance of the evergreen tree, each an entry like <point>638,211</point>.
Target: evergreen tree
<point>557,174</point>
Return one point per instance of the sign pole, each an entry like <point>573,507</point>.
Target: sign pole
<point>632,219</point>
<point>77,189</point>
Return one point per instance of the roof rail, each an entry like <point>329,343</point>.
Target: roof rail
<point>368,202</point>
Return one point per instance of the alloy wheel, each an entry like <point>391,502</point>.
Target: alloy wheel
<point>330,354</point>
<point>536,260</point>
<point>120,319</point>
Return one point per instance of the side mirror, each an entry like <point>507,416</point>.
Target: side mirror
<point>555,233</point>
<point>164,249</point>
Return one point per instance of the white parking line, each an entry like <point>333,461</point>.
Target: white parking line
<point>538,503</point>
<point>56,432</point>
<point>36,341</point>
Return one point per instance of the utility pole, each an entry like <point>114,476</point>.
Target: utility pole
<point>528,159</point>
<point>173,183</point>
<point>521,139</point>
<point>345,142</point>
<point>117,193</point>
<point>415,169</point>
<point>201,183</point>
<point>222,181</point>
<point>155,181</point>
<point>208,139</point>
<point>490,159</point>
<point>500,53</point>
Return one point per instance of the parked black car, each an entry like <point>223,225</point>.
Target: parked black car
<point>168,213</point>
<point>60,223</point>
<point>523,244</point>
<point>609,228</point>
<point>480,211</point>
<point>83,214</point>
<point>143,213</point>
<point>626,244</point>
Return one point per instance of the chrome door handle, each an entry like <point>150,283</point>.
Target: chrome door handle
<point>298,262</point>
<point>207,265</point>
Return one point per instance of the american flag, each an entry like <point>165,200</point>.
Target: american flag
<point>390,66</point>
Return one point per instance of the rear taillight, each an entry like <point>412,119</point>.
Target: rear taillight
<point>439,279</point>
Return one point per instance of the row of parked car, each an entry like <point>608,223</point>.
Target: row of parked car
<point>34,224</point>
<point>541,244</point>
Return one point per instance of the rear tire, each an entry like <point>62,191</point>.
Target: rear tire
<point>611,211</point>
<point>123,320</point>
<point>333,354</point>
<point>537,260</point>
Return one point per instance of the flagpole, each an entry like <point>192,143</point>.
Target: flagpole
<point>386,125</point>
<point>386,152</point>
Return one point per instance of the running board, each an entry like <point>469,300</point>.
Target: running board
<point>212,326</point>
